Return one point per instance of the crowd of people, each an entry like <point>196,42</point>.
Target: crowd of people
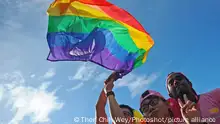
<point>184,106</point>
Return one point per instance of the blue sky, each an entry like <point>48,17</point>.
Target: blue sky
<point>33,90</point>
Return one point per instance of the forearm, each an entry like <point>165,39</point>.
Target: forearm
<point>115,110</point>
<point>101,117</point>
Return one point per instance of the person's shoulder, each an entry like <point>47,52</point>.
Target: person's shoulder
<point>216,90</point>
<point>213,92</point>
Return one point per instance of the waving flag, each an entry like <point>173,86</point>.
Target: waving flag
<point>96,31</point>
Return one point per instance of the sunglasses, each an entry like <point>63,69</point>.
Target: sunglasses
<point>153,100</point>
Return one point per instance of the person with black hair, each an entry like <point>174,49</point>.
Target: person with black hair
<point>205,106</point>
<point>125,109</point>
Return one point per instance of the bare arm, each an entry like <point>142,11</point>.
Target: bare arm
<point>101,117</point>
<point>115,110</point>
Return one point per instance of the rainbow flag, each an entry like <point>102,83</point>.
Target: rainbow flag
<point>96,31</point>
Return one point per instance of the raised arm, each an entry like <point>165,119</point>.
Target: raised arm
<point>101,117</point>
<point>115,110</point>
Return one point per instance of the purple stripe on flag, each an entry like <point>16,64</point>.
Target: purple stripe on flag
<point>103,58</point>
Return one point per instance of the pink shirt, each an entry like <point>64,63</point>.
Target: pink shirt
<point>210,106</point>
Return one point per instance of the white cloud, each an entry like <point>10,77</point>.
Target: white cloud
<point>26,101</point>
<point>37,103</point>
<point>95,87</point>
<point>90,72</point>
<point>13,88</point>
<point>76,87</point>
<point>101,77</point>
<point>12,25</point>
<point>85,72</point>
<point>136,83</point>
<point>50,73</point>
<point>12,79</point>
<point>1,92</point>
<point>99,80</point>
<point>33,75</point>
